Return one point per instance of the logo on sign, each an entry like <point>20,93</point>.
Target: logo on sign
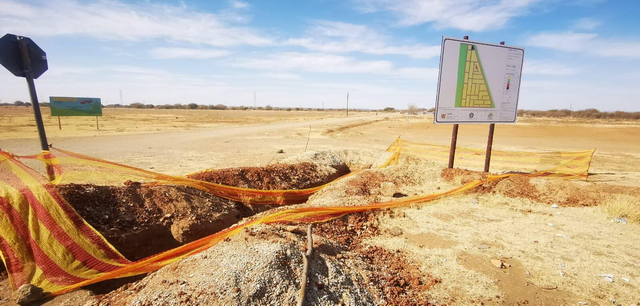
<point>443,116</point>
<point>471,115</point>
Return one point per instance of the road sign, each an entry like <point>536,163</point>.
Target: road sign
<point>478,82</point>
<point>11,59</point>
<point>75,106</point>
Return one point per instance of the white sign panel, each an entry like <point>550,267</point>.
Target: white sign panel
<point>478,82</point>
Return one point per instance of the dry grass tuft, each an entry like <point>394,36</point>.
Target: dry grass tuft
<point>619,206</point>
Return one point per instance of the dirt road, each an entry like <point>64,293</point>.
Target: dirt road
<point>181,152</point>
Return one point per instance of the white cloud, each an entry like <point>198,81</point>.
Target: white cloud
<point>315,62</point>
<point>340,37</point>
<point>538,67</point>
<point>585,24</point>
<point>113,20</point>
<point>333,64</point>
<point>587,43</point>
<point>192,53</point>
<point>417,73</point>
<point>239,4</point>
<point>469,15</point>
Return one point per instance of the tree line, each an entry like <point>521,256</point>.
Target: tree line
<point>411,109</point>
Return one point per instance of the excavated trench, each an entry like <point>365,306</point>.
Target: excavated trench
<point>164,217</point>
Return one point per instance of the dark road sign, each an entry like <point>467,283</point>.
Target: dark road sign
<point>11,59</point>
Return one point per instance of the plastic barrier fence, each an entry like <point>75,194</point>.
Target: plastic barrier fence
<point>45,242</point>
<point>561,164</point>
<point>76,168</point>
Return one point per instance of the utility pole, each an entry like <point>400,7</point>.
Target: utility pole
<point>347,109</point>
<point>121,97</point>
<point>254,99</point>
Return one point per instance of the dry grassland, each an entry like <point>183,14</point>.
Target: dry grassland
<point>551,255</point>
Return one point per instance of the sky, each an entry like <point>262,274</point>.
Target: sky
<point>385,53</point>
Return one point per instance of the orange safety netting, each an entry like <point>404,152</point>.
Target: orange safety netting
<point>70,167</point>
<point>571,164</point>
<point>45,242</point>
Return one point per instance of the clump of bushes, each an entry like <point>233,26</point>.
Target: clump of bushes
<point>584,114</point>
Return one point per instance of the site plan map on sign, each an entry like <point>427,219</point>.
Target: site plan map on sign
<point>478,82</point>
<point>472,89</point>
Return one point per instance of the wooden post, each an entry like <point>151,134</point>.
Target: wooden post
<point>59,124</point>
<point>490,141</point>
<point>488,151</point>
<point>97,126</point>
<point>450,163</point>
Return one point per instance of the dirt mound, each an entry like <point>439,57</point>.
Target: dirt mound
<point>559,191</point>
<point>342,128</point>
<point>379,185</point>
<point>262,266</point>
<point>259,267</point>
<point>275,177</point>
<point>392,277</point>
<point>462,176</point>
<point>544,190</point>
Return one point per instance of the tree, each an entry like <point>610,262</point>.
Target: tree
<point>192,106</point>
<point>412,109</point>
<point>388,109</point>
<point>19,103</point>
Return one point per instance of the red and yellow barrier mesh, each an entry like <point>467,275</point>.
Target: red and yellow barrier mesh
<point>76,168</point>
<point>45,242</point>
<point>573,164</point>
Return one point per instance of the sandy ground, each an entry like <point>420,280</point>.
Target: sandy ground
<point>556,255</point>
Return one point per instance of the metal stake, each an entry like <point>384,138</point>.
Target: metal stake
<point>32,93</point>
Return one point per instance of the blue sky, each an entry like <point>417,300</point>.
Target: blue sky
<point>306,53</point>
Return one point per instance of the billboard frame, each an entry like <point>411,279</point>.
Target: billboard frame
<point>440,73</point>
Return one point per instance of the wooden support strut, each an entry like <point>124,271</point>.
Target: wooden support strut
<point>450,163</point>
<point>490,141</point>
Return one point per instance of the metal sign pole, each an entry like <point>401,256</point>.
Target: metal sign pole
<point>32,92</point>
<point>450,163</point>
<point>490,141</point>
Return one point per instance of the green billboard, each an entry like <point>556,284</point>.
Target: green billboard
<point>75,106</point>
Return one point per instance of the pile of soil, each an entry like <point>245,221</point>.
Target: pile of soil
<point>380,185</point>
<point>558,191</point>
<point>262,266</point>
<point>462,176</point>
<point>393,278</point>
<point>342,128</point>
<point>275,177</point>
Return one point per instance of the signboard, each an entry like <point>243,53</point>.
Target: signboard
<point>75,106</point>
<point>11,59</point>
<point>478,82</point>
